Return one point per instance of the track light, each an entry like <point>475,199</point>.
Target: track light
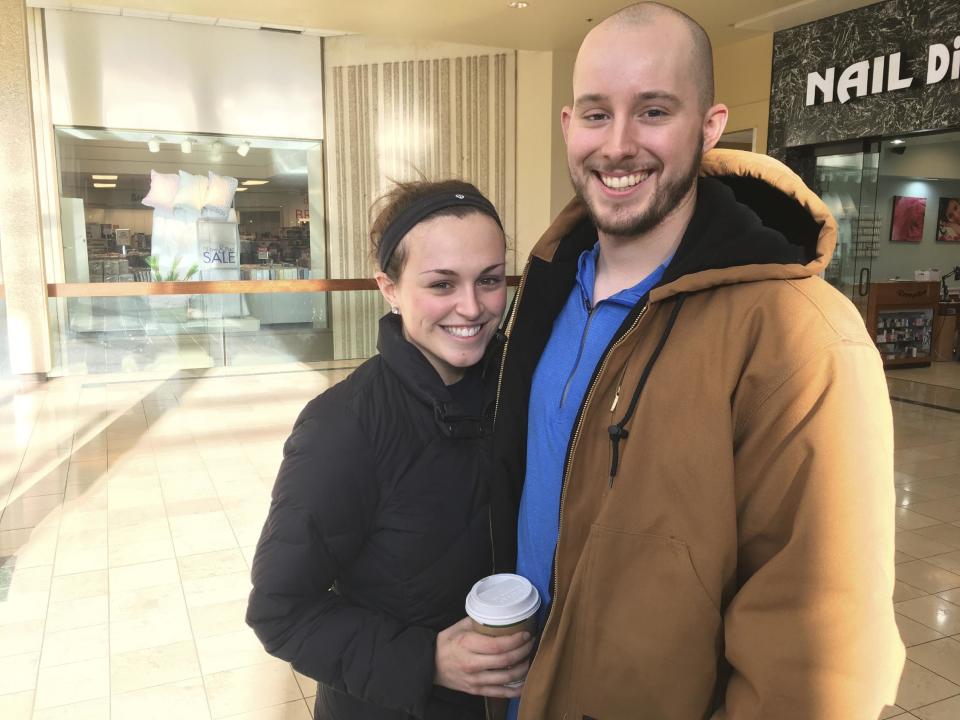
<point>186,147</point>
<point>243,149</point>
<point>153,144</point>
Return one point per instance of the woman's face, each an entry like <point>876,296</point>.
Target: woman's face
<point>953,212</point>
<point>452,290</point>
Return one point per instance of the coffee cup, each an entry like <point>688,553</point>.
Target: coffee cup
<point>503,604</point>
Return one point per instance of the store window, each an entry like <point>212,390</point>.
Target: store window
<point>141,206</point>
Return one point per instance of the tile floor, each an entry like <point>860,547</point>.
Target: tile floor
<point>130,512</point>
<point>131,506</point>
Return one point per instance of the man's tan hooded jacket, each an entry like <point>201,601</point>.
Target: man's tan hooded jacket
<point>727,514</point>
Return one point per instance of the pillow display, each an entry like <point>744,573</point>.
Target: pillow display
<point>163,190</point>
<point>220,192</point>
<point>192,192</point>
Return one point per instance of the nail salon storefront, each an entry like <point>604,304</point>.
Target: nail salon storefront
<point>865,106</point>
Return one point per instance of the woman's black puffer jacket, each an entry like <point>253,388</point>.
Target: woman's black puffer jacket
<point>378,527</point>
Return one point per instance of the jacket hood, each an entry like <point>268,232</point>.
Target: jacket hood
<point>754,220</point>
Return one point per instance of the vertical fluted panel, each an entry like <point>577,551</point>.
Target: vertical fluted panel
<point>438,117</point>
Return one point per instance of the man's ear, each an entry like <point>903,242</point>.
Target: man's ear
<point>388,288</point>
<point>565,116</point>
<point>714,123</point>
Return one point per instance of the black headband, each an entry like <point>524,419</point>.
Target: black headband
<point>420,210</point>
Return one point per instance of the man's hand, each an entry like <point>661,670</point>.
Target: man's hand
<point>481,665</point>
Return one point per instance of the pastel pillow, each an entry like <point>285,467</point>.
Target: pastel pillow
<point>192,192</point>
<point>220,192</point>
<point>163,190</point>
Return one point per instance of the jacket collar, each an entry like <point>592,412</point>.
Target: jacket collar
<point>419,377</point>
<point>754,220</point>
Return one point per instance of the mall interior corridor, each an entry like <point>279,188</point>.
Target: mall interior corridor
<point>131,509</point>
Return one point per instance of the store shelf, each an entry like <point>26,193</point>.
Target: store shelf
<point>900,318</point>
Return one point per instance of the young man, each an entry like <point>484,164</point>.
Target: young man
<point>696,424</point>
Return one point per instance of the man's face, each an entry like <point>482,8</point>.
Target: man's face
<point>635,133</point>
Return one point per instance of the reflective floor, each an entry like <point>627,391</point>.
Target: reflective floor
<point>132,505</point>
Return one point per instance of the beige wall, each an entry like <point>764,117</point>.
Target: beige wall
<point>742,74</point>
<point>544,83</point>
<point>141,74</point>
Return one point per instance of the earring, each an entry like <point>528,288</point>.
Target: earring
<point>394,309</point>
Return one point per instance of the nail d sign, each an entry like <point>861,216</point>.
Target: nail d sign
<point>880,75</point>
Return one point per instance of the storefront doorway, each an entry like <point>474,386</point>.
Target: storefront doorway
<point>846,179</point>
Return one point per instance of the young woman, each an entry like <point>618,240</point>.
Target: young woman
<point>380,520</point>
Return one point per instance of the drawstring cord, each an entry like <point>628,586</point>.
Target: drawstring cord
<point>619,431</point>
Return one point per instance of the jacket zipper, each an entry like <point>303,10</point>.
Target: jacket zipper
<point>623,374</point>
<point>506,342</point>
<point>573,444</point>
<point>496,403</point>
<point>496,411</point>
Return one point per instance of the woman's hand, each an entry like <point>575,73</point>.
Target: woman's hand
<point>481,665</point>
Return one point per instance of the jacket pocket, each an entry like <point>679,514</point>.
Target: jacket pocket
<point>648,636</point>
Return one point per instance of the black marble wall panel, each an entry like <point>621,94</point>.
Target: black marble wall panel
<point>905,26</point>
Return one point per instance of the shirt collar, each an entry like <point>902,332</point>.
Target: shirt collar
<point>587,276</point>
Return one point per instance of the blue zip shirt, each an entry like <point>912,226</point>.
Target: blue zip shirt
<point>581,333</point>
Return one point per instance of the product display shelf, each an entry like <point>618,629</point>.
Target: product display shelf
<point>900,320</point>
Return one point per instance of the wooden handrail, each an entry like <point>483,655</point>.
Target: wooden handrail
<point>214,287</point>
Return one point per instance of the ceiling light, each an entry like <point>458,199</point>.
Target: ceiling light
<point>517,5</point>
<point>104,185</point>
<point>153,144</point>
<point>254,182</point>
<point>243,149</point>
<point>242,189</point>
<point>186,147</point>
<point>104,177</point>
<point>898,141</point>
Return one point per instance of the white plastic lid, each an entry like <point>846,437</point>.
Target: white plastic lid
<point>502,599</point>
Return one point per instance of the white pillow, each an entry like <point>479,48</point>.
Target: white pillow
<point>220,192</point>
<point>192,192</point>
<point>163,189</point>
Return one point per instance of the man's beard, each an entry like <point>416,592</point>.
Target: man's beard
<point>666,197</point>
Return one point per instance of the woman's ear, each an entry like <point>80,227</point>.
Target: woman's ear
<point>388,288</point>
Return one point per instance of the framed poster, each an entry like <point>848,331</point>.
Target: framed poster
<point>906,224</point>
<point>948,220</point>
<point>122,236</point>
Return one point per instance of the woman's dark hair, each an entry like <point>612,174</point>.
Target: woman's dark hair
<point>402,196</point>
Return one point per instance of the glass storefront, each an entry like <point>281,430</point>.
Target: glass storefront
<point>897,205</point>
<point>140,206</point>
<point>181,332</point>
<point>147,207</point>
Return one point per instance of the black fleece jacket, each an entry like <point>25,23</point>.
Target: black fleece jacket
<point>378,527</point>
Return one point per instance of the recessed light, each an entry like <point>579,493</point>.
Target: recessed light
<point>243,149</point>
<point>104,177</point>
<point>104,185</point>
<point>243,189</point>
<point>898,141</point>
<point>153,144</point>
<point>254,182</point>
<point>186,147</point>
<point>519,5</point>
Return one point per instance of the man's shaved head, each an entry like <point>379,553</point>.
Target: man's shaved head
<point>701,51</point>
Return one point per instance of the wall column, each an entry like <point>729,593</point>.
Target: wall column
<point>21,247</point>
